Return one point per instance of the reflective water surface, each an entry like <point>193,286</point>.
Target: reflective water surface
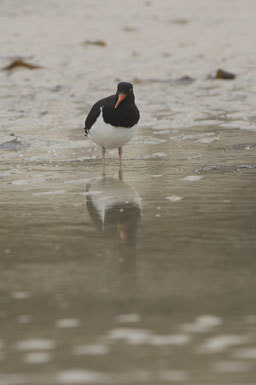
<point>149,278</point>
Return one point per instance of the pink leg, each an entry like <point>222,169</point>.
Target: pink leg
<point>103,152</point>
<point>120,153</point>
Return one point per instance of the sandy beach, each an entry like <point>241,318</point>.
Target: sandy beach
<point>174,300</point>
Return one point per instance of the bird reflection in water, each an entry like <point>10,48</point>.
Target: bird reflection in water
<point>115,208</point>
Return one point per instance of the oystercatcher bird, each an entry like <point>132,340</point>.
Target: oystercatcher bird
<point>110,123</point>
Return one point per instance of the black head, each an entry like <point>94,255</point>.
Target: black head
<point>124,93</point>
<point>125,88</point>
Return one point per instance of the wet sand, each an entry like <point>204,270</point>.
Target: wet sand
<point>149,279</point>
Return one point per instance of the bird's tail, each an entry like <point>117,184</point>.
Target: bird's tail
<point>86,131</point>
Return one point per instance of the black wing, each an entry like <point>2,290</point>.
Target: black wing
<point>95,112</point>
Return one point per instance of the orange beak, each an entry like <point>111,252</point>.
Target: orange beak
<point>120,98</point>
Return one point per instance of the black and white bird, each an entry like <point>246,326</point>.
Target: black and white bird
<point>111,121</point>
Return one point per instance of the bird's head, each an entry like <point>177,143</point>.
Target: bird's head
<point>124,93</point>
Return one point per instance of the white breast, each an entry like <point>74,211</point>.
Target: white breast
<point>109,136</point>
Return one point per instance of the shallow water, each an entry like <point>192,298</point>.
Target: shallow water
<point>149,279</point>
